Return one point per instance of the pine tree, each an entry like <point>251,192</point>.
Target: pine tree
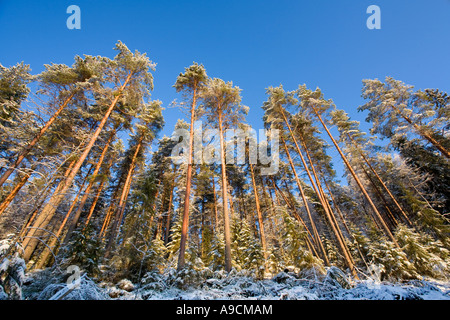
<point>66,82</point>
<point>222,103</point>
<point>314,101</point>
<point>419,250</point>
<point>394,262</point>
<point>217,252</point>
<point>133,70</point>
<point>84,250</point>
<point>13,118</point>
<point>276,115</point>
<point>191,83</point>
<point>395,110</point>
<point>354,140</point>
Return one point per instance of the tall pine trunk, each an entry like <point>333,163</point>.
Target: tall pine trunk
<point>216,214</point>
<point>226,217</point>
<point>185,223</point>
<point>260,218</point>
<point>327,208</point>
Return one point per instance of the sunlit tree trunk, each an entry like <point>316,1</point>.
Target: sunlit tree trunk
<point>185,223</point>
<point>10,197</point>
<point>29,227</point>
<point>95,200</point>
<point>86,194</point>
<point>22,154</point>
<point>216,216</point>
<point>112,205</point>
<point>226,217</point>
<point>46,252</point>
<point>327,208</point>
<point>358,181</point>
<point>48,211</point>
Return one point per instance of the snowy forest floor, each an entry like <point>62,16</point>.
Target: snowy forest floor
<point>44,285</point>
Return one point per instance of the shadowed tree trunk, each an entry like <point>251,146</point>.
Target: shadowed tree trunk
<point>260,218</point>
<point>123,200</point>
<point>316,238</point>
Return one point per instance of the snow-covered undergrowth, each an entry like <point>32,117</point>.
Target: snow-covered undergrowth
<point>208,285</point>
<point>12,270</point>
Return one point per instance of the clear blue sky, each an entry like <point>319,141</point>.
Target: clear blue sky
<point>255,44</point>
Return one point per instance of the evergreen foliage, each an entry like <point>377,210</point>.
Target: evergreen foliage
<point>72,192</point>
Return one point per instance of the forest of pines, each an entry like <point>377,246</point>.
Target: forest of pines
<point>74,194</point>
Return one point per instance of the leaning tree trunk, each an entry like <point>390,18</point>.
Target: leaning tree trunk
<point>22,154</point>
<point>336,205</point>
<point>358,181</point>
<point>326,206</point>
<point>390,215</point>
<point>297,216</point>
<point>42,198</point>
<point>319,192</point>
<point>381,181</point>
<point>10,197</point>
<point>86,194</point>
<point>97,195</point>
<point>358,248</point>
<point>47,213</point>
<point>316,238</point>
<point>46,253</point>
<point>123,200</point>
<point>110,211</point>
<point>423,133</point>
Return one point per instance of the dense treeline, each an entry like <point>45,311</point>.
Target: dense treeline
<point>72,192</point>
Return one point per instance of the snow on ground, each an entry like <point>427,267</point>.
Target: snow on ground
<point>239,285</point>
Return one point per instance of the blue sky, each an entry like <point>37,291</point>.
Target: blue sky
<point>255,44</point>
